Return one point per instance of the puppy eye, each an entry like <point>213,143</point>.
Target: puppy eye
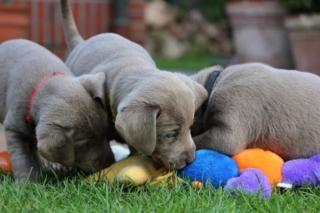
<point>170,135</point>
<point>61,127</point>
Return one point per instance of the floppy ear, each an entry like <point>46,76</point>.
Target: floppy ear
<point>199,81</point>
<point>95,85</point>
<point>137,125</point>
<point>200,93</point>
<point>54,146</point>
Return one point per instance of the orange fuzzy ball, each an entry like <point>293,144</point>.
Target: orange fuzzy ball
<point>268,162</point>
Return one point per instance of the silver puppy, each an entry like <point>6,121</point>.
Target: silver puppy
<point>152,109</point>
<point>255,105</point>
<point>48,111</point>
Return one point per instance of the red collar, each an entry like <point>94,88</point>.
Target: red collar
<point>36,89</point>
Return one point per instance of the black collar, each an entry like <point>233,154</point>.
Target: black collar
<point>208,85</point>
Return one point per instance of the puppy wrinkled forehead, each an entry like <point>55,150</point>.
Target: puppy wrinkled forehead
<point>92,120</point>
<point>81,112</point>
<point>179,108</point>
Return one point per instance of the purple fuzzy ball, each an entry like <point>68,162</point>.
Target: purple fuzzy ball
<point>250,181</point>
<point>302,171</point>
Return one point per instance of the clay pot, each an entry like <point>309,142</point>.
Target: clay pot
<point>304,34</point>
<point>259,32</point>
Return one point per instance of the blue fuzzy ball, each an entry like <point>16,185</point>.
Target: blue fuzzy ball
<point>210,167</point>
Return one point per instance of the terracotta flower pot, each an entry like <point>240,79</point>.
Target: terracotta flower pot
<point>304,34</point>
<point>259,32</point>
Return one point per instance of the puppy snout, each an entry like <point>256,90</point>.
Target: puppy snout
<point>92,166</point>
<point>89,169</point>
<point>190,157</point>
<point>177,165</point>
<point>101,163</point>
<point>177,162</point>
<point>157,159</point>
<point>190,154</point>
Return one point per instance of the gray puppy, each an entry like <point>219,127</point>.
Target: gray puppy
<point>255,105</point>
<point>41,99</point>
<point>152,109</point>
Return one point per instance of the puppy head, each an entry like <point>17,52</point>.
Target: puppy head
<point>155,118</point>
<point>72,122</point>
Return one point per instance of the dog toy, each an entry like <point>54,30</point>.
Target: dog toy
<point>250,181</point>
<point>259,171</point>
<point>210,167</point>
<point>5,162</point>
<point>268,162</point>
<point>135,170</point>
<point>301,172</point>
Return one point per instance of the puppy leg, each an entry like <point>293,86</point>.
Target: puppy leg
<point>222,140</point>
<point>25,166</point>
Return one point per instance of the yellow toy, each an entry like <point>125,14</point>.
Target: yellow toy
<point>219,169</point>
<point>136,170</point>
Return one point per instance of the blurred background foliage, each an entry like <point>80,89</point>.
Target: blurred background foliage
<point>213,10</point>
<point>301,6</point>
<point>187,34</point>
<point>199,33</point>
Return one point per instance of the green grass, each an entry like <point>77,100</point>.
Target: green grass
<point>77,195</point>
<point>187,63</point>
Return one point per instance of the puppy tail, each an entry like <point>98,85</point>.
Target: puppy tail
<point>70,29</point>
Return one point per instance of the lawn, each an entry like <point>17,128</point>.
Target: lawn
<point>189,62</point>
<point>78,195</point>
